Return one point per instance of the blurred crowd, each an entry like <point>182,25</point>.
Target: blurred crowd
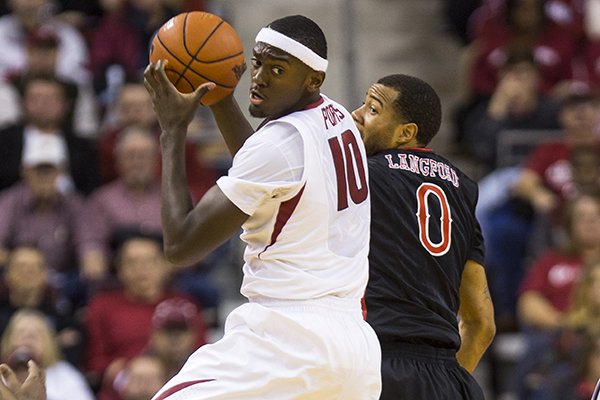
<point>530,122</point>
<point>85,289</point>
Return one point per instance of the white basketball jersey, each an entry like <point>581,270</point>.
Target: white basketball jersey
<point>311,238</point>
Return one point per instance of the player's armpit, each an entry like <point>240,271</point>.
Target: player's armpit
<point>476,313</point>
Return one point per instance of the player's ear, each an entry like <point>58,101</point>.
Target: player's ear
<point>406,133</point>
<point>315,80</point>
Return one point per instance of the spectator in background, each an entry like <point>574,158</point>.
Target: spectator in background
<point>545,293</point>
<point>546,178</point>
<point>566,365</point>
<point>29,15</point>
<point>523,25</point>
<point>45,107</point>
<point>542,185</point>
<point>516,103</point>
<point>35,211</point>
<point>30,336</point>
<point>545,301</point>
<point>177,331</point>
<point>132,201</point>
<point>134,108</point>
<point>142,377</point>
<point>120,41</point>
<point>119,322</point>
<point>42,47</point>
<point>25,285</point>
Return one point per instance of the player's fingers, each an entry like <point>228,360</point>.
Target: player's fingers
<point>9,378</point>
<point>5,393</point>
<point>161,74</point>
<point>203,89</point>
<point>34,372</point>
<point>150,79</point>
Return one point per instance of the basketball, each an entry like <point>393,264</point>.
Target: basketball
<point>200,47</point>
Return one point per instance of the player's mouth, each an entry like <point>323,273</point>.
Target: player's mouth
<point>256,97</point>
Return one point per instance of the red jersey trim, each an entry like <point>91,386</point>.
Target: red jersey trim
<point>286,209</point>
<point>181,386</point>
<point>417,149</point>
<point>315,104</point>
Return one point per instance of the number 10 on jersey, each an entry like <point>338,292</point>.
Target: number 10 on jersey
<point>349,169</point>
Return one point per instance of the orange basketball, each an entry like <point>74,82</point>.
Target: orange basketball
<point>200,47</point>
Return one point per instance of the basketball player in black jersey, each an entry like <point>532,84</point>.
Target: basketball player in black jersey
<point>427,296</point>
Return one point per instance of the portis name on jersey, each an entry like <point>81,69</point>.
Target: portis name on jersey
<point>423,166</point>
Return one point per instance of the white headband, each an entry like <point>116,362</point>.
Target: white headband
<point>297,49</point>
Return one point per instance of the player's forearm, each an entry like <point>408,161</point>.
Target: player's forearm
<point>476,337</point>
<point>232,123</point>
<point>176,201</point>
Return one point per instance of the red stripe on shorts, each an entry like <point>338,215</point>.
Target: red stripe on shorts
<point>179,387</point>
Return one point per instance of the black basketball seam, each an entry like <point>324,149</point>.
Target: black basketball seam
<point>187,66</point>
<point>180,76</point>
<point>220,59</point>
<point>191,69</point>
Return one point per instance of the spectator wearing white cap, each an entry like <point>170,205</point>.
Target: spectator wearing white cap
<point>46,106</point>
<point>35,212</point>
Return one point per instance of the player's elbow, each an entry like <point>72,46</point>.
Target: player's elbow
<point>178,255</point>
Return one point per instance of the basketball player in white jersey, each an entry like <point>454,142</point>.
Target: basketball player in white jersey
<point>298,188</point>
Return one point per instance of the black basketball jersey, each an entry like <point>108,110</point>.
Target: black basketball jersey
<point>423,230</point>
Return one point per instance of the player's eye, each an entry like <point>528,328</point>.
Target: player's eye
<point>255,62</point>
<point>278,70</point>
<point>373,110</point>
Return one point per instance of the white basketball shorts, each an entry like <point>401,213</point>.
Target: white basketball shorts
<point>302,350</point>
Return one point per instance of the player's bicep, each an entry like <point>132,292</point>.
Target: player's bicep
<point>214,220</point>
<point>475,299</point>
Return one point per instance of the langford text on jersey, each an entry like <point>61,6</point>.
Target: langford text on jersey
<point>423,166</point>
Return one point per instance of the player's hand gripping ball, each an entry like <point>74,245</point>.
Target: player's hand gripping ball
<point>200,47</point>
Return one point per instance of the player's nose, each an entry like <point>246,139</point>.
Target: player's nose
<point>357,115</point>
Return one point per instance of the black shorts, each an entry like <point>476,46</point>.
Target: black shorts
<point>415,372</point>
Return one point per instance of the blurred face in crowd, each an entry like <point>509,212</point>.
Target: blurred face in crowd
<point>41,180</point>
<point>29,12</point>
<point>144,376</point>
<point>26,270</point>
<point>142,269</point>
<point>137,157</point>
<point>173,343</point>
<point>527,15</point>
<point>134,107</point>
<point>30,332</point>
<point>585,225</point>
<point>585,166</point>
<point>580,120</point>
<point>45,104</point>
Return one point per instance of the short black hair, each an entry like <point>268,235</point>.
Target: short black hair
<point>303,30</point>
<point>417,102</point>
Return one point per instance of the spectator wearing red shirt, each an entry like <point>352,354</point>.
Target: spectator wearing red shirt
<point>524,24</point>
<point>119,322</point>
<point>542,185</point>
<point>546,178</point>
<point>134,108</point>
